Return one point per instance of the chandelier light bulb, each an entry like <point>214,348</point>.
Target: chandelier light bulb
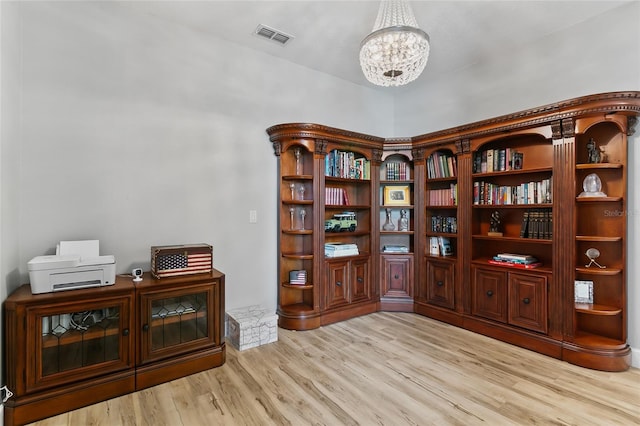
<point>396,51</point>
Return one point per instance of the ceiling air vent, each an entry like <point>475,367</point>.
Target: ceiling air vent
<point>273,34</point>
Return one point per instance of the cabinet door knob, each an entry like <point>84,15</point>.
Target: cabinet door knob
<point>145,327</point>
<point>360,279</point>
<point>396,276</point>
<point>439,283</point>
<point>125,332</point>
<point>526,301</point>
<point>339,283</point>
<point>490,293</point>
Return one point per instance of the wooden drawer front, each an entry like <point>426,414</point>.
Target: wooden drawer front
<point>396,275</point>
<point>360,282</point>
<point>337,290</point>
<point>440,284</point>
<point>528,301</point>
<point>489,294</point>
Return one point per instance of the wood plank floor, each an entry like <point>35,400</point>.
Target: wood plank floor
<point>380,369</point>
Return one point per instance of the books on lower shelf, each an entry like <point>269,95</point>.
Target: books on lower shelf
<point>440,246</point>
<point>515,264</point>
<point>537,224</point>
<point>336,196</point>
<point>395,248</point>
<point>340,249</point>
<point>514,260</point>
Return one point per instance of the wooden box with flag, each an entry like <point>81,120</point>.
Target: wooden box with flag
<point>173,261</point>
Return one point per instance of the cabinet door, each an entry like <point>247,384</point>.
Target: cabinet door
<point>176,321</point>
<point>337,288</point>
<point>360,281</point>
<point>440,284</point>
<point>68,342</point>
<point>489,288</point>
<point>528,301</point>
<point>397,273</point>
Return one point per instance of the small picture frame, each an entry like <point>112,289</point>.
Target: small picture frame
<point>396,196</point>
<point>583,291</point>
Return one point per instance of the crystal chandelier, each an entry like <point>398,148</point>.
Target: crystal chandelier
<point>396,51</point>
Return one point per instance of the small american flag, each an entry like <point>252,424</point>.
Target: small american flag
<point>169,265</point>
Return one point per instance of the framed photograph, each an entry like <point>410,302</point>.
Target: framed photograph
<point>583,291</point>
<point>396,196</point>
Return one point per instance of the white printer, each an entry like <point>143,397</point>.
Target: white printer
<point>76,264</point>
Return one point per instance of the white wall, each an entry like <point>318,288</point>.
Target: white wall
<point>9,157</point>
<point>137,132</point>
<point>598,55</point>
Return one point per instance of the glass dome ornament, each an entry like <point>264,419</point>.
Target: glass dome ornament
<point>396,51</point>
<point>592,186</point>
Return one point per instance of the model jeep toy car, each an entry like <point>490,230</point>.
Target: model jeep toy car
<point>340,222</point>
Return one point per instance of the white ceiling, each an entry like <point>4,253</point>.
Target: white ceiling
<point>328,33</point>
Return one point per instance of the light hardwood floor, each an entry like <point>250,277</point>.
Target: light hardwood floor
<point>380,369</point>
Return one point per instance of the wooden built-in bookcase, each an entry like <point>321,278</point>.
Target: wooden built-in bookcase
<point>511,184</point>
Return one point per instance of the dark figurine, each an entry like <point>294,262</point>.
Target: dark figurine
<point>593,152</point>
<point>494,222</point>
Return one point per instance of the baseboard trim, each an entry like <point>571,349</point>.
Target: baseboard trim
<point>635,357</point>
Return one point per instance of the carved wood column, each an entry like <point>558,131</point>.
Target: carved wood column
<point>465,200</point>
<point>564,189</point>
<point>419,221</point>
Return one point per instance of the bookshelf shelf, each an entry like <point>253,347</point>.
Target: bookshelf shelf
<point>598,271</point>
<point>512,206</point>
<point>298,286</point>
<point>297,231</point>
<point>593,309</point>
<point>596,166</point>
<point>539,170</point>
<point>598,199</point>
<point>514,239</point>
<point>297,177</point>
<point>598,239</point>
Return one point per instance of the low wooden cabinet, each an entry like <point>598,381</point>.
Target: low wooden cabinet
<point>440,283</point>
<point>397,279</point>
<point>179,327</point>
<point>517,299</point>
<point>74,348</point>
<point>347,282</point>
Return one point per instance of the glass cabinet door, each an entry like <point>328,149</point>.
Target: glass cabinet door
<point>81,340</point>
<point>176,321</point>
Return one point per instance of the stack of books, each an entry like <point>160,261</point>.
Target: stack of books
<point>523,261</point>
<point>340,249</point>
<point>395,248</point>
<point>298,277</point>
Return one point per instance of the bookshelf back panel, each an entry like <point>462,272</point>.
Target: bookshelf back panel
<point>608,139</point>
<point>537,152</point>
<point>600,219</point>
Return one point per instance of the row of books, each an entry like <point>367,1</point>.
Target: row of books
<point>440,246</point>
<point>336,196</point>
<point>537,223</point>
<point>444,224</point>
<point>397,170</point>
<point>344,164</point>
<point>514,260</point>
<point>526,193</point>
<point>340,249</point>
<point>497,160</point>
<point>441,165</point>
<point>444,197</point>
